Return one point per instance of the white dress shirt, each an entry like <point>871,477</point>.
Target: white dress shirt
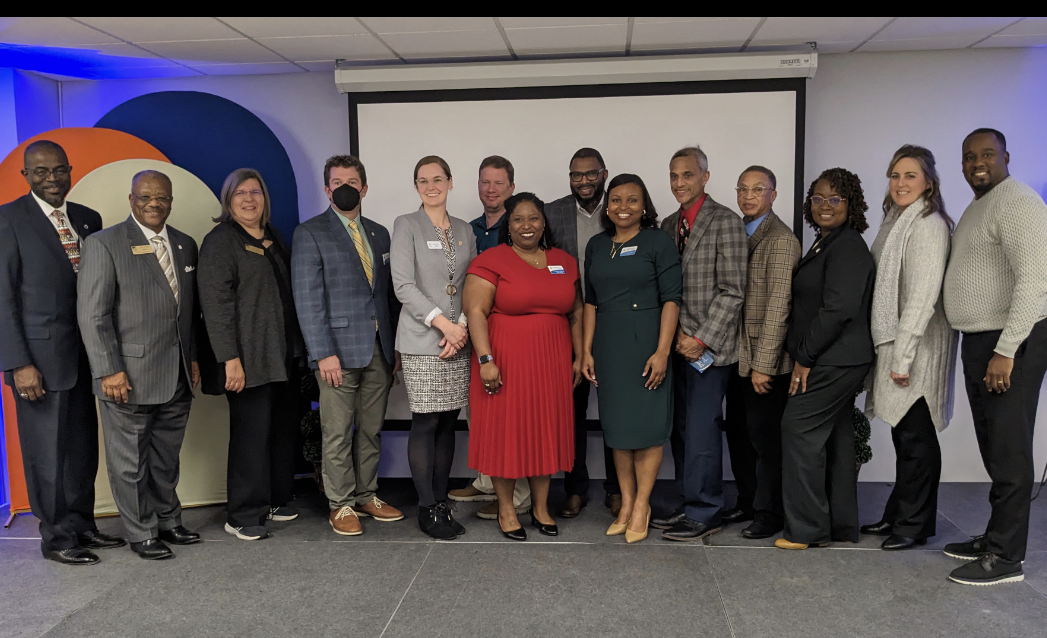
<point>48,209</point>
<point>162,234</point>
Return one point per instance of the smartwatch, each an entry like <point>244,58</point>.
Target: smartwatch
<point>486,358</point>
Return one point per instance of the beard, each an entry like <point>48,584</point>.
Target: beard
<point>586,202</point>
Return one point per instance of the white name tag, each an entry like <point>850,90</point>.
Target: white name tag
<point>628,250</point>
<point>434,245</point>
<point>557,270</point>
<point>385,258</point>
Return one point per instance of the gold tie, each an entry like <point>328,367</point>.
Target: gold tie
<point>165,263</point>
<point>361,250</point>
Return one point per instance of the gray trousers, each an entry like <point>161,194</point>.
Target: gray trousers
<point>351,453</point>
<point>142,444</point>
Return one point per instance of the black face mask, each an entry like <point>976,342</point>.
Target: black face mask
<point>345,198</point>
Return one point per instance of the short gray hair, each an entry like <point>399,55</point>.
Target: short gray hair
<point>697,153</point>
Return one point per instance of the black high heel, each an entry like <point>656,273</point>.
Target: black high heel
<point>518,534</point>
<point>545,530</point>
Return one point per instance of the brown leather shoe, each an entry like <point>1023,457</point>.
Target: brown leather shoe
<point>573,506</point>
<point>614,501</point>
<point>379,510</point>
<point>344,521</point>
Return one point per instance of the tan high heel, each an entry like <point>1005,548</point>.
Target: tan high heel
<point>617,529</point>
<point>636,537</point>
<point>782,543</point>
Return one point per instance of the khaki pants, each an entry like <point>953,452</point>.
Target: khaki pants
<point>350,454</point>
<point>521,493</point>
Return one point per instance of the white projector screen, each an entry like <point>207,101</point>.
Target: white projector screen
<point>538,130</point>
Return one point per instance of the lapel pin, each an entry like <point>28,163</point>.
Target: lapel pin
<point>86,226</point>
<point>179,247</point>
<point>372,233</point>
<point>459,243</point>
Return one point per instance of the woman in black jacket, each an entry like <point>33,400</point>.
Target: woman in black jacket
<point>244,282</point>
<point>830,342</point>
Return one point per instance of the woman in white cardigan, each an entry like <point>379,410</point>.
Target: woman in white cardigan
<point>910,388</point>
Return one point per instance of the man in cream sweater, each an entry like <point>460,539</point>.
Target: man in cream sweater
<point>996,295</point>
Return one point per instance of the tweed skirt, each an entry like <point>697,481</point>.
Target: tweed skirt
<point>435,384</point>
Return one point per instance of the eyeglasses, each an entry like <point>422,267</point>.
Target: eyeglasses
<point>436,181</point>
<point>257,192</point>
<point>834,201</point>
<point>757,191</point>
<point>41,172</point>
<point>592,176</point>
<point>163,201</point>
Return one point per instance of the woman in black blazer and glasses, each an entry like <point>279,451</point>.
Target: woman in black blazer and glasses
<point>830,342</point>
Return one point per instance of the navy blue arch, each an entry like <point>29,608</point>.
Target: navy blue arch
<point>210,137</point>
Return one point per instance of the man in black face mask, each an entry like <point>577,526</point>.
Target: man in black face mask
<point>573,220</point>
<point>343,291</point>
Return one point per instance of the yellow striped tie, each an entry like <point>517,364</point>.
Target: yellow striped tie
<point>361,250</point>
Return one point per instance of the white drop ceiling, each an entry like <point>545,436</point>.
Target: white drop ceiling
<point>161,47</point>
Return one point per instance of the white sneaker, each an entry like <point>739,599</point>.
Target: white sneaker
<point>253,533</point>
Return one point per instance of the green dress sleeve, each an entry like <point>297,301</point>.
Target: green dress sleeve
<point>668,270</point>
<point>590,293</point>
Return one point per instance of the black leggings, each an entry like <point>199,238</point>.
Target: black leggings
<point>430,452</point>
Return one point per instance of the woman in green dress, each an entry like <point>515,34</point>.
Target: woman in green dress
<point>633,290</point>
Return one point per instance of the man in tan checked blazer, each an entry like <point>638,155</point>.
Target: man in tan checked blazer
<point>712,245</point>
<point>757,394</point>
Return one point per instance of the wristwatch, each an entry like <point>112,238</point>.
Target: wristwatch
<point>486,358</point>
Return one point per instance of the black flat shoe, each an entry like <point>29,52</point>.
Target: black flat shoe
<point>758,530</point>
<point>94,539</point>
<point>896,542</point>
<point>179,536</point>
<point>71,556</point>
<point>432,521</point>
<point>444,509</point>
<point>736,516</point>
<point>518,534</point>
<point>152,549</point>
<point>883,528</point>
<point>543,529</point>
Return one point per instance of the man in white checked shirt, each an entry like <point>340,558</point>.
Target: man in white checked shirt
<point>137,308</point>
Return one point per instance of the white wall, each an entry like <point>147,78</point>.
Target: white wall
<point>860,108</point>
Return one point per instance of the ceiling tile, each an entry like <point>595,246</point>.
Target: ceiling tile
<point>447,44</point>
<point>918,44</point>
<point>690,19</point>
<point>318,66</point>
<point>247,69</point>
<point>286,27</point>
<point>1013,41</point>
<point>162,29</point>
<point>130,56</point>
<point>523,23</point>
<point>53,32</point>
<point>787,30</point>
<point>1028,26</point>
<point>568,39</point>
<point>680,33</point>
<point>423,25</point>
<point>925,28</point>
<point>329,47</point>
<point>239,51</point>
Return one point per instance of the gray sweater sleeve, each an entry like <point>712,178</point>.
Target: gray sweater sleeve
<point>923,269</point>
<point>1022,233</point>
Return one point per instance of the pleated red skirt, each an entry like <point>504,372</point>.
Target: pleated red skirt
<point>527,427</point>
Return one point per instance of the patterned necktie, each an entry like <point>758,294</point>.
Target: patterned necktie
<point>69,241</point>
<point>166,264</point>
<point>685,232</point>
<point>361,250</point>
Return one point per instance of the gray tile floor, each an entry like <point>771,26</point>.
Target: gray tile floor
<point>393,582</point>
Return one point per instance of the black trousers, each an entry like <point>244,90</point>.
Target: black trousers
<point>264,422</point>
<point>1004,426</point>
<point>59,439</point>
<point>819,468</point>
<point>576,482</point>
<point>912,508</point>
<point>754,439</point>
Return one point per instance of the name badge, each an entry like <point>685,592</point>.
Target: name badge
<point>556,270</point>
<point>628,250</point>
<point>142,250</point>
<point>254,249</point>
<point>434,245</point>
<point>385,258</point>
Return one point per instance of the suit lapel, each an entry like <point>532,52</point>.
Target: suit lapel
<point>37,220</point>
<point>372,237</point>
<point>135,237</point>
<point>701,224</point>
<point>342,237</point>
<point>178,261</point>
<point>761,231</point>
<point>814,252</point>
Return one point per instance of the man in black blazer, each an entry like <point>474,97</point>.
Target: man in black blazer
<point>43,359</point>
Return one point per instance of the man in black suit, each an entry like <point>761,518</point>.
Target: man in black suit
<point>43,358</point>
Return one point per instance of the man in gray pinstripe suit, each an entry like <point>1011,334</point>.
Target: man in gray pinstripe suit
<point>713,251</point>
<point>136,309</point>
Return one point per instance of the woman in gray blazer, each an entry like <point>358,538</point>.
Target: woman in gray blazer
<point>911,385</point>
<point>430,253</point>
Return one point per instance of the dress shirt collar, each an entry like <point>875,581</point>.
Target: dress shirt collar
<point>48,209</point>
<point>587,214</point>
<point>150,234</point>
<point>752,224</point>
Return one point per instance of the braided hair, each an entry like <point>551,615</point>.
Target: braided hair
<point>848,186</point>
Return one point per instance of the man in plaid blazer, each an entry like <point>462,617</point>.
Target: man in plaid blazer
<point>757,394</point>
<point>712,244</point>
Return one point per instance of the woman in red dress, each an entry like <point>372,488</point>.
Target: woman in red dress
<point>524,308</point>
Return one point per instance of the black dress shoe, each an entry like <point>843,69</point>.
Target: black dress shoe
<point>518,534</point>
<point>573,506</point>
<point>543,529</point>
<point>689,530</point>
<point>761,529</point>
<point>883,528</point>
<point>736,515</point>
<point>71,556</point>
<point>94,539</point>
<point>179,536</point>
<point>152,549</point>
<point>897,542</point>
<point>670,520</point>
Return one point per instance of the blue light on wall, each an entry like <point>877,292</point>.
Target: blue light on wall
<point>82,63</point>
